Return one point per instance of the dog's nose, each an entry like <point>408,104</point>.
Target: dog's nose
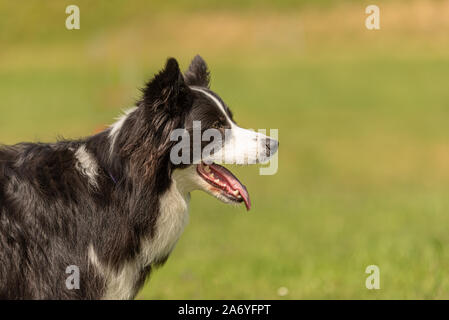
<point>272,146</point>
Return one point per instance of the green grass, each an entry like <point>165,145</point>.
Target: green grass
<point>363,163</point>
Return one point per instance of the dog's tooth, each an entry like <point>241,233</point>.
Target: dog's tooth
<point>236,193</point>
<point>207,169</point>
<point>217,180</point>
<point>212,175</point>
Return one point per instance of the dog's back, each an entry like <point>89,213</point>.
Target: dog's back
<point>42,229</point>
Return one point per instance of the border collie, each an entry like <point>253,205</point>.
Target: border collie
<point>114,204</point>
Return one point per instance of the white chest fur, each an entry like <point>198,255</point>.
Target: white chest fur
<point>172,219</point>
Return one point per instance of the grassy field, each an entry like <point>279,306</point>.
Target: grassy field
<point>362,116</point>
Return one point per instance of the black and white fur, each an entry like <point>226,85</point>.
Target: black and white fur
<point>112,204</point>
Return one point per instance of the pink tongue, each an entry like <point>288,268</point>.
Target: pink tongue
<point>233,182</point>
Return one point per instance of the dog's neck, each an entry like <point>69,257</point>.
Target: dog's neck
<point>158,217</point>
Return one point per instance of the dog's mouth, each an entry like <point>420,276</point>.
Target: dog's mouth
<point>225,182</point>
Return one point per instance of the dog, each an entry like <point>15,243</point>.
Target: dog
<point>113,205</point>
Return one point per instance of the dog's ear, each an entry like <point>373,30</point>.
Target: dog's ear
<point>167,89</point>
<point>198,73</point>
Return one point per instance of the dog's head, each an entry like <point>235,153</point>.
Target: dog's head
<point>191,130</point>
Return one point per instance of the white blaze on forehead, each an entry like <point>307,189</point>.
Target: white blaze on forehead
<point>87,165</point>
<point>214,99</point>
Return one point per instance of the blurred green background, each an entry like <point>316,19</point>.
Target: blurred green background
<point>362,116</point>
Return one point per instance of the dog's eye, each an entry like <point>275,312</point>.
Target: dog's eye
<point>217,125</point>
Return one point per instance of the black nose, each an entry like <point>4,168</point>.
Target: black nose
<point>271,146</point>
